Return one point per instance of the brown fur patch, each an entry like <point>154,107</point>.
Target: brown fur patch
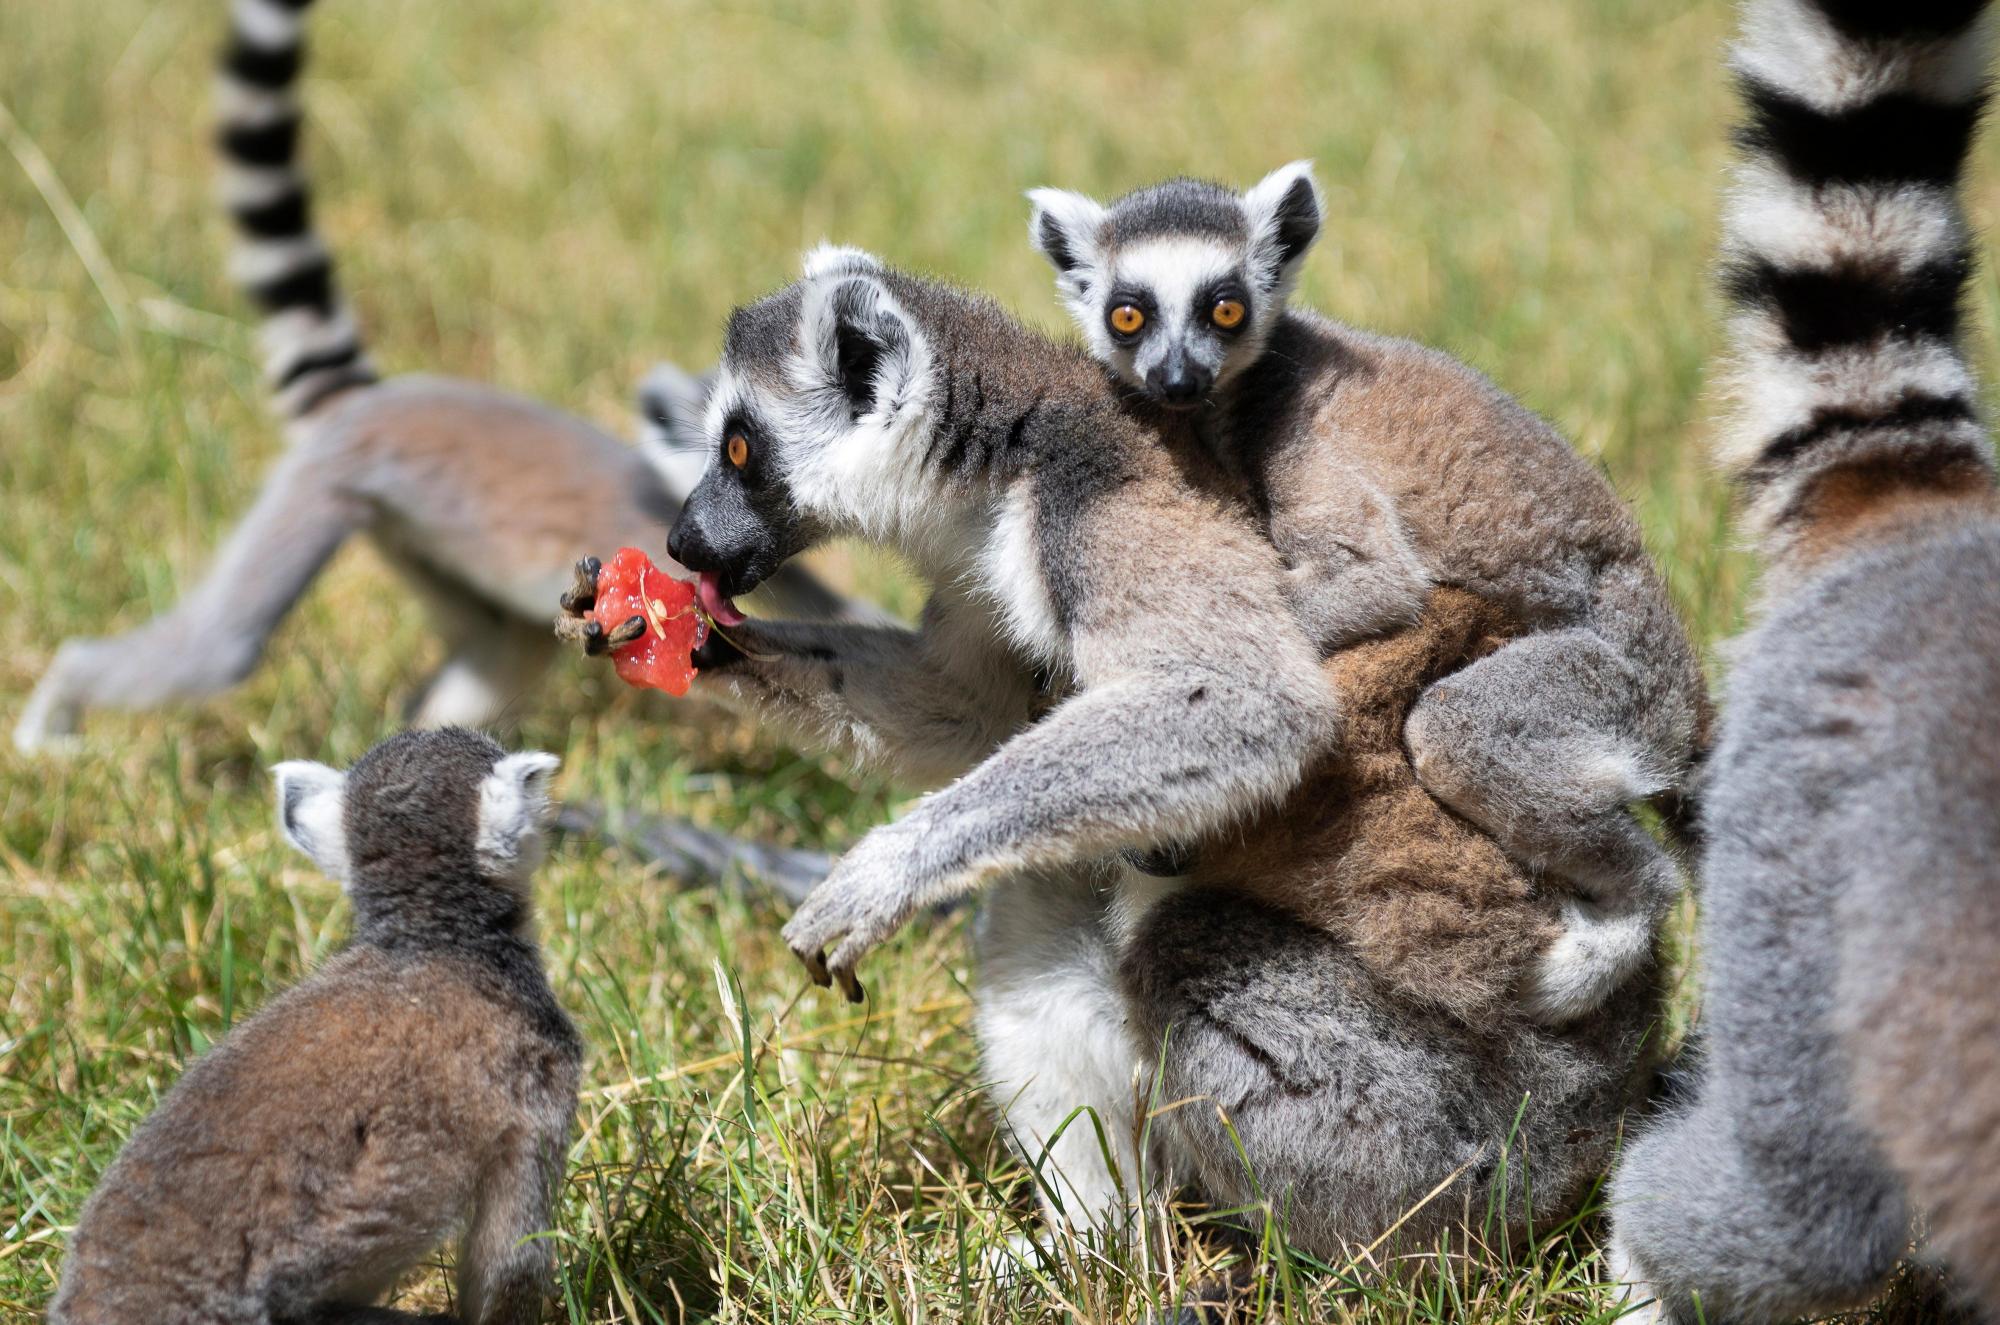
<point>1429,903</point>
<point>1880,500</point>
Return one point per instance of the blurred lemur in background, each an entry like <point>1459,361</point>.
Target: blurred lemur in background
<point>479,498</point>
<point>1107,664</point>
<point>1382,469</point>
<point>420,1084</point>
<point>1850,926</point>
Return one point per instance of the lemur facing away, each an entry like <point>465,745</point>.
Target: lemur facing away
<point>1850,929</point>
<point>1106,663</point>
<point>481,499</point>
<point>1381,469</point>
<point>421,1082</point>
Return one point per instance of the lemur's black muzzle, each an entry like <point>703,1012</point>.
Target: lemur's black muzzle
<point>1179,381</point>
<point>735,536</point>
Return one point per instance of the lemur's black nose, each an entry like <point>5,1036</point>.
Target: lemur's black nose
<point>679,541</point>
<point>1178,386</point>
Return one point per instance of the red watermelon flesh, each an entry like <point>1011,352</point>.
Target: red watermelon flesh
<point>630,584</point>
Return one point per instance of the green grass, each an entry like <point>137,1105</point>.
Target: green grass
<point>549,197</point>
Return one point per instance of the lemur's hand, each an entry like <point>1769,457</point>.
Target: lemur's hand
<point>873,891</point>
<point>575,622</point>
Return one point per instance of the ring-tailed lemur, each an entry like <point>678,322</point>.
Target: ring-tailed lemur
<point>1383,468</point>
<point>481,498</point>
<point>423,1080</point>
<point>1850,929</point>
<point>1106,662</point>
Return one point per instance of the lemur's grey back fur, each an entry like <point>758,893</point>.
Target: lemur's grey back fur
<point>1106,663</point>
<point>1381,469</point>
<point>1850,936</point>
<point>420,1083</point>
<point>480,498</point>
<point>312,344</point>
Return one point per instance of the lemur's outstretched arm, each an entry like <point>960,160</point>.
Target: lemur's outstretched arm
<point>1197,698</point>
<point>924,705</point>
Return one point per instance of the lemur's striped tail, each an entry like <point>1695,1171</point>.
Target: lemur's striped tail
<point>1845,254</point>
<point>312,346</point>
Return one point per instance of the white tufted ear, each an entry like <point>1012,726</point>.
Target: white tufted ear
<point>1284,210</point>
<point>838,260</point>
<point>862,341</point>
<point>673,408</point>
<point>311,803</point>
<point>1068,229</point>
<point>513,809</point>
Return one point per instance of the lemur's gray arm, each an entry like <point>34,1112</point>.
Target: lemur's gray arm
<point>1199,698</point>
<point>923,705</point>
<point>1351,569</point>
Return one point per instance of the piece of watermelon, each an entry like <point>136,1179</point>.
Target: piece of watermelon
<point>630,584</point>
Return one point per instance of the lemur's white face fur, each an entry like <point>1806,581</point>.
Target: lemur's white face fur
<point>1177,286</point>
<point>810,429</point>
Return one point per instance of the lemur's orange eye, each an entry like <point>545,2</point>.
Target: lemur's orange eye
<point>738,449</point>
<point>1126,319</point>
<point>1227,313</point>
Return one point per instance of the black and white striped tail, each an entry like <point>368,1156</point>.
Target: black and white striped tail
<point>311,344</point>
<point>1845,246</point>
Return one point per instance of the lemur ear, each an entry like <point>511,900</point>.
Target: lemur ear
<point>513,808</point>
<point>673,408</point>
<point>1068,229</point>
<point>312,801</point>
<point>1284,210</point>
<point>839,260</point>
<point>862,341</point>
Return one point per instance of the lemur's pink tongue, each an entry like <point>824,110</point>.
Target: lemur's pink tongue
<point>719,608</point>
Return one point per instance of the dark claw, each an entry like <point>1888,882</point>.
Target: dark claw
<point>626,631</point>
<point>850,985</point>
<point>594,642</point>
<point>581,596</point>
<point>815,964</point>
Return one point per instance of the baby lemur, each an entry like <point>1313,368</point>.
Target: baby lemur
<point>1106,663</point>
<point>422,1082</point>
<point>1850,927</point>
<point>1383,468</point>
<point>479,498</point>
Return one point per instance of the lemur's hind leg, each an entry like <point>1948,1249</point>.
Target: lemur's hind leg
<point>506,1268</point>
<point>1294,1084</point>
<point>1710,1221</point>
<point>214,636</point>
<point>1053,1043</point>
<point>492,659</point>
<point>1542,744</point>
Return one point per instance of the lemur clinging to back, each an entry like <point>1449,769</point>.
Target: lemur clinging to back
<point>1106,663</point>
<point>1382,469</point>
<point>1850,926</point>
<point>480,498</point>
<point>423,1081</point>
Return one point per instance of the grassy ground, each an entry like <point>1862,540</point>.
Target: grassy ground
<point>549,197</point>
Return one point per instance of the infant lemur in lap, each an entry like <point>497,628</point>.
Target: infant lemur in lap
<point>1380,470</point>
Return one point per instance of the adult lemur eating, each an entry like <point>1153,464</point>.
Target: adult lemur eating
<point>1106,663</point>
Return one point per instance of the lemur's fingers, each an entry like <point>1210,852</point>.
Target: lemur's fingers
<point>849,985</point>
<point>815,963</point>
<point>631,628</point>
<point>581,596</point>
<point>842,964</point>
<point>577,628</point>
